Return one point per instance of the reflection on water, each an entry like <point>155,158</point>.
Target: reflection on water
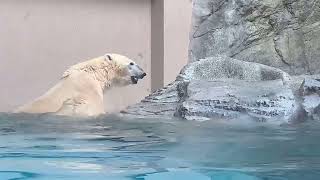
<point>43,147</point>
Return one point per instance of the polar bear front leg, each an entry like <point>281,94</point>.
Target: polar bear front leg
<point>80,107</point>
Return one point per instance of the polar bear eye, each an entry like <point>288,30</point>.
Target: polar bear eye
<point>109,57</point>
<point>131,63</point>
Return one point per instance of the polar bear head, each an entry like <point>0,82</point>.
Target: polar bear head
<point>127,72</point>
<point>110,70</point>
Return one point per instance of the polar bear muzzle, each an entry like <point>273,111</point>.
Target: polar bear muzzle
<point>136,73</point>
<point>135,79</point>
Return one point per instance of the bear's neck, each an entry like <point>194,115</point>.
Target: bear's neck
<point>105,75</point>
<point>100,70</point>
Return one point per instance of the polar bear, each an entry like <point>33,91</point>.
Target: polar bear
<point>81,88</point>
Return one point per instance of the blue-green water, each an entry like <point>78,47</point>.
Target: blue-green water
<point>111,148</point>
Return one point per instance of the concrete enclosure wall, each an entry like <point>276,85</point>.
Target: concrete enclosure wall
<point>157,44</point>
<point>40,39</point>
<point>177,22</point>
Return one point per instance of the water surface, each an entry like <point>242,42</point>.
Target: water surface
<point>113,148</point>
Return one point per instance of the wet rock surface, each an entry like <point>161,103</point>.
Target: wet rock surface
<point>310,93</point>
<point>160,103</point>
<point>223,88</point>
<point>233,99</point>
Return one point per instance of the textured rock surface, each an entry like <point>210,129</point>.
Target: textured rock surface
<point>279,33</point>
<point>160,103</point>
<point>224,88</point>
<point>233,99</point>
<point>283,35</point>
<point>223,67</point>
<point>310,93</point>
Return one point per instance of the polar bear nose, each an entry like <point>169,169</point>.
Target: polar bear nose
<point>141,76</point>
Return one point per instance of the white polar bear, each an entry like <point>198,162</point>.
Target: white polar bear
<point>81,88</point>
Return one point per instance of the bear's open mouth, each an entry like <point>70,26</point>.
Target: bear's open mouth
<point>134,79</point>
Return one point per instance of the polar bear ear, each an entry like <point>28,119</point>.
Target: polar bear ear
<point>108,57</point>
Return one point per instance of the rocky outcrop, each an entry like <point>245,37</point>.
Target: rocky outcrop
<point>223,88</point>
<point>223,67</point>
<point>310,93</point>
<point>233,99</point>
<point>162,103</point>
<point>241,55</point>
<point>280,33</point>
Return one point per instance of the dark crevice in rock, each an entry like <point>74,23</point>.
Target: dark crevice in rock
<point>247,45</point>
<point>279,52</point>
<point>182,89</point>
<point>195,36</point>
<point>288,6</point>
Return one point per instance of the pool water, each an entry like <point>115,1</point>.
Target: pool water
<point>113,148</point>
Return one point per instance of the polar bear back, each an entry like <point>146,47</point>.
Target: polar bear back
<point>78,94</point>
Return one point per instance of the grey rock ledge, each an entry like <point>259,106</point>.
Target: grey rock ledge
<point>224,88</point>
